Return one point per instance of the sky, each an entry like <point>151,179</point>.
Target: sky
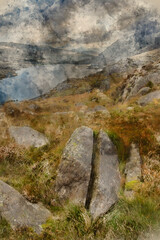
<point>93,21</point>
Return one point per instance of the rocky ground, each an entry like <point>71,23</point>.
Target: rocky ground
<point>84,158</point>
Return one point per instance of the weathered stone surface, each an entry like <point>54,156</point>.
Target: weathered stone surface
<point>133,170</point>
<point>75,168</point>
<point>34,107</point>
<point>154,235</point>
<point>157,136</point>
<point>149,98</point>
<point>107,177</point>
<point>144,90</point>
<point>98,109</point>
<point>101,95</point>
<point>105,85</point>
<point>28,137</point>
<point>19,212</point>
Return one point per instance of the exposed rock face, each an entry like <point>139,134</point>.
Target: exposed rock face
<point>140,73</point>
<point>75,168</point>
<point>107,182</point>
<point>89,174</point>
<point>28,137</point>
<point>149,98</point>
<point>133,170</point>
<point>19,212</point>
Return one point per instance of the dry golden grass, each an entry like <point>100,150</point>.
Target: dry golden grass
<point>33,171</point>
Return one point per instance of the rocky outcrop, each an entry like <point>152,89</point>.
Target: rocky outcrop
<point>107,177</point>
<point>19,212</point>
<point>140,74</point>
<point>28,137</point>
<point>75,168</point>
<point>149,98</point>
<point>88,173</point>
<point>133,170</point>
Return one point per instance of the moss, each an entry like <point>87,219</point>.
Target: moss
<point>150,84</point>
<point>132,185</point>
<point>5,229</point>
<point>121,148</point>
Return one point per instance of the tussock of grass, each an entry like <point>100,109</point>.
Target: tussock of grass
<point>125,221</point>
<point>130,218</point>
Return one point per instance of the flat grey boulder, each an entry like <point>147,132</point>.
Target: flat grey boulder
<point>133,170</point>
<point>75,168</point>
<point>19,212</point>
<point>28,137</point>
<point>107,177</point>
<point>149,98</point>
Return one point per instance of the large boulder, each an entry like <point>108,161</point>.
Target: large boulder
<point>75,168</point>
<point>149,98</point>
<point>107,176</point>
<point>28,137</point>
<point>19,212</point>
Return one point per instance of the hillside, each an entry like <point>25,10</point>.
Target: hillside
<point>33,171</point>
<point>79,120</point>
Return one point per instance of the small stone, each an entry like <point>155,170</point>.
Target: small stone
<point>105,85</point>
<point>98,109</point>
<point>149,98</point>
<point>34,107</point>
<point>130,108</point>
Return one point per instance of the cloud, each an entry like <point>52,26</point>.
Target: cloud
<point>8,5</point>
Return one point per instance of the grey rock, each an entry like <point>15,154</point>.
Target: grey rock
<point>75,168</point>
<point>145,76</point>
<point>98,109</point>
<point>105,85</point>
<point>149,98</point>
<point>28,137</point>
<point>34,107</point>
<point>130,108</point>
<point>144,90</point>
<point>152,235</point>
<point>19,212</point>
<point>133,170</point>
<point>157,136</point>
<point>107,177</point>
<point>100,95</point>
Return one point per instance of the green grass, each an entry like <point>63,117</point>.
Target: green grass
<point>127,220</point>
<point>130,218</point>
